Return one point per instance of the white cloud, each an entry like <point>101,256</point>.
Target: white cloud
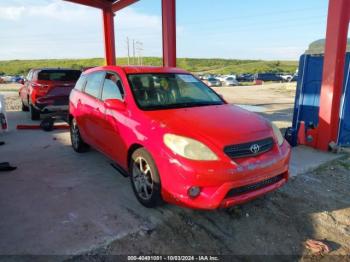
<point>71,27</point>
<point>11,12</point>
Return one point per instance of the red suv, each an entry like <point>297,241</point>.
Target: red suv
<point>177,139</point>
<point>47,90</point>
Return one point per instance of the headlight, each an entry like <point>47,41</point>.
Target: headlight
<point>278,134</point>
<point>189,148</point>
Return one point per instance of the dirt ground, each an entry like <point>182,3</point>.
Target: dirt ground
<point>314,205</point>
<point>311,206</point>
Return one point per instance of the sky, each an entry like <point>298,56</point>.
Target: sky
<point>232,29</point>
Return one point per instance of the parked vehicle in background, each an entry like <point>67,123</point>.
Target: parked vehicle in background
<point>16,79</point>
<point>177,139</point>
<point>286,77</point>
<point>230,81</point>
<point>294,78</point>
<point>245,78</point>
<point>212,82</point>
<point>6,79</point>
<point>268,77</point>
<point>47,90</point>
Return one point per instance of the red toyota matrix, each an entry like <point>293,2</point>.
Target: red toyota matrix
<point>177,139</point>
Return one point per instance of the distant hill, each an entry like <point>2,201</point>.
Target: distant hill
<point>317,47</point>
<point>212,66</point>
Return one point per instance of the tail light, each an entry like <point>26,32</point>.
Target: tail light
<point>35,85</point>
<point>41,89</point>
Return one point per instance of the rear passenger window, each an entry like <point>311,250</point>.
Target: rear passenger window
<point>112,87</point>
<point>81,83</point>
<point>94,83</point>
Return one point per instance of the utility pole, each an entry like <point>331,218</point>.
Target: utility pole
<point>128,47</point>
<point>139,49</point>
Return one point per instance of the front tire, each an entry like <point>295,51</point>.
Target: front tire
<point>78,143</point>
<point>145,179</point>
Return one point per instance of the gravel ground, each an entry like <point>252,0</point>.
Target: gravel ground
<point>10,91</point>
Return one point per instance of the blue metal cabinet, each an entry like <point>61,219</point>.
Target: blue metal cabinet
<point>307,100</point>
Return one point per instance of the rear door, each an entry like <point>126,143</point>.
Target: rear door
<point>90,107</point>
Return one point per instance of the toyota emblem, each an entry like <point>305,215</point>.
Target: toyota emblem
<point>255,148</point>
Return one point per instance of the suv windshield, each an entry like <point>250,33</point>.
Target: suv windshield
<point>167,91</point>
<point>59,75</point>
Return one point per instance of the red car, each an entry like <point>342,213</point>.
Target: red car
<point>47,90</point>
<point>179,141</point>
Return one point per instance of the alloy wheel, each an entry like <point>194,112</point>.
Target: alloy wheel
<point>142,176</point>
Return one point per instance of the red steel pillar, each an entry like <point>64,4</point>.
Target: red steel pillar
<point>108,29</point>
<point>333,72</point>
<point>169,32</point>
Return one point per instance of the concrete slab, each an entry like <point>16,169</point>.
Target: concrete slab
<point>60,202</point>
<point>305,159</point>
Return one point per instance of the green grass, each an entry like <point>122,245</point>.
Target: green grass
<point>205,66</point>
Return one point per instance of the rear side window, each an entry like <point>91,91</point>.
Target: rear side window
<point>81,83</point>
<point>94,83</point>
<point>59,75</point>
<point>112,87</point>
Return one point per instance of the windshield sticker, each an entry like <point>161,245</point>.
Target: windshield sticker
<point>188,79</point>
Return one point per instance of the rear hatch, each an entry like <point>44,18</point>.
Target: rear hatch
<point>56,85</point>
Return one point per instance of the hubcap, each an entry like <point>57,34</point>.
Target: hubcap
<point>75,134</point>
<point>142,177</point>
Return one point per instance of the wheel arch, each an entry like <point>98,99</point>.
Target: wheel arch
<point>131,150</point>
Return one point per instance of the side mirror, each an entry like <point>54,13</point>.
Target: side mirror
<point>21,81</point>
<point>115,104</point>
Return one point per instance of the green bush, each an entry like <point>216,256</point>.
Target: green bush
<point>205,66</point>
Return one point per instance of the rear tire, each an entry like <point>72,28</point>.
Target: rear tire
<point>145,179</point>
<point>77,141</point>
<point>24,107</point>
<point>34,113</point>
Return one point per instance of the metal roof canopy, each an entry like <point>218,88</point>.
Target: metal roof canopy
<point>109,7</point>
<point>334,58</point>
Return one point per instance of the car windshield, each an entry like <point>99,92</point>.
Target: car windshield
<point>168,91</point>
<point>212,79</point>
<point>59,75</point>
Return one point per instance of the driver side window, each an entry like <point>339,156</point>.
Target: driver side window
<point>112,87</point>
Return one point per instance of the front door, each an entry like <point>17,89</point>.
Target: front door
<point>113,143</point>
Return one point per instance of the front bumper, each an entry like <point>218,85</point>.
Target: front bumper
<point>217,179</point>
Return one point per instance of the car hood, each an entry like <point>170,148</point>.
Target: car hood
<point>221,125</point>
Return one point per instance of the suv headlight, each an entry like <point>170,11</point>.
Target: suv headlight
<point>278,134</point>
<point>189,148</point>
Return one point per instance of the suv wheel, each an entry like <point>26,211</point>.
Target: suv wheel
<point>78,143</point>
<point>145,178</point>
<point>24,107</point>
<point>34,113</point>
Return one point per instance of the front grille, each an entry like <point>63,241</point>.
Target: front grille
<point>244,150</point>
<point>249,188</point>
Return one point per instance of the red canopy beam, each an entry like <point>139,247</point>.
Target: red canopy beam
<point>333,72</point>
<point>169,32</point>
<point>92,3</point>
<point>108,28</point>
<point>122,4</point>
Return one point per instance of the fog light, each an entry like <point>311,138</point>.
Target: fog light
<point>194,191</point>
